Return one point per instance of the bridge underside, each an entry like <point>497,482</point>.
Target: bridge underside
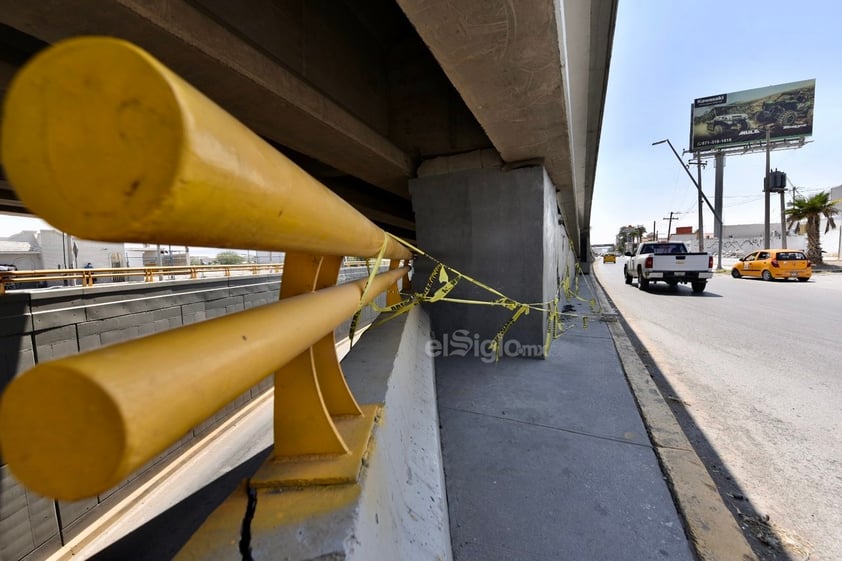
<point>362,94</point>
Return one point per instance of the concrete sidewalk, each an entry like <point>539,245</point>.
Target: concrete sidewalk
<point>550,459</point>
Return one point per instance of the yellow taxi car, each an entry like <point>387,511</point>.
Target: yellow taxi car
<point>770,264</point>
<point>609,258</point>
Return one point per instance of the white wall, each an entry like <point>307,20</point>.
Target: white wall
<point>53,256</point>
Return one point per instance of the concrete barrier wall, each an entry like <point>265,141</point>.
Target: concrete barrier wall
<point>396,510</point>
<point>403,508</point>
<point>43,325</point>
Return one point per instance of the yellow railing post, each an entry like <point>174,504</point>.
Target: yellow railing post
<point>393,295</point>
<point>405,282</point>
<point>311,392</point>
<point>299,399</point>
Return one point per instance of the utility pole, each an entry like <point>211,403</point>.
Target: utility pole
<point>699,165</point>
<point>669,226</point>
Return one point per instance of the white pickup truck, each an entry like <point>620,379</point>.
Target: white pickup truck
<point>668,262</point>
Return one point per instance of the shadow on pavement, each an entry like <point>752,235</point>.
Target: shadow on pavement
<point>662,289</point>
<point>162,537</point>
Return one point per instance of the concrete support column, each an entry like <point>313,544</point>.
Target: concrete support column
<point>502,228</point>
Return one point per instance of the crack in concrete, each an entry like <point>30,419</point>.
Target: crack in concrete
<point>245,531</point>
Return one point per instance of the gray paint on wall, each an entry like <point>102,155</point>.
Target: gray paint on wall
<point>501,228</point>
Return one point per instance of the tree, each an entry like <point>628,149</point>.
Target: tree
<point>811,211</point>
<point>229,258</point>
<point>629,237</point>
<point>638,232</point>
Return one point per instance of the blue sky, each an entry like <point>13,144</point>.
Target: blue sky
<point>668,53</point>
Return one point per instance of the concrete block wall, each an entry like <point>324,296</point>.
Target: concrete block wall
<point>501,227</point>
<point>44,325</point>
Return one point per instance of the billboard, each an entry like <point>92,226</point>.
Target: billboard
<point>742,117</point>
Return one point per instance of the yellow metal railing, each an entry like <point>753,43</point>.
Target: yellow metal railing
<point>89,277</point>
<point>104,142</point>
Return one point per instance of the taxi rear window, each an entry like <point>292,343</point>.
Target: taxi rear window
<point>792,256</point>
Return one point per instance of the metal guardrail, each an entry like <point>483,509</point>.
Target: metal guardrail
<point>88,277</point>
<point>104,142</point>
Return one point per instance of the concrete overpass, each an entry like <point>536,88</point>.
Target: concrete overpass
<point>469,129</point>
<point>362,96</point>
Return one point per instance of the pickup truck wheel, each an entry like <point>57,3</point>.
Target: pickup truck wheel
<point>767,276</point>
<point>699,287</point>
<point>628,276</point>
<point>642,283</point>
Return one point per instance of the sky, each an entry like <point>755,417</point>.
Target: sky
<point>667,53</point>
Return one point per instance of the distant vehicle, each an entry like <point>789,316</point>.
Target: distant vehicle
<point>668,262</point>
<point>770,264</point>
<point>609,258</point>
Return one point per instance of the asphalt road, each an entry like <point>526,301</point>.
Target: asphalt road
<point>755,369</point>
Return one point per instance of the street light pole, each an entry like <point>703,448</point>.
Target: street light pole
<point>716,215</point>
<point>690,175</point>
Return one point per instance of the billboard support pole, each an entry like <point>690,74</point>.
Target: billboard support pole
<point>783,221</point>
<point>766,184</point>
<point>719,163</point>
<point>701,233</point>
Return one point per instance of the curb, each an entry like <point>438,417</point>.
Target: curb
<point>712,530</point>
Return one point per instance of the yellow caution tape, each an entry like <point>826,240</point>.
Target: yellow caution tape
<point>372,272</point>
<point>498,339</point>
<point>447,278</point>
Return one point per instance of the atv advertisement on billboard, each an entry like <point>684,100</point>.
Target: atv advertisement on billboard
<point>786,110</point>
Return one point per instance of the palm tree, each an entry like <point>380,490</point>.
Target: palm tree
<point>629,237</point>
<point>811,210</point>
<point>639,231</point>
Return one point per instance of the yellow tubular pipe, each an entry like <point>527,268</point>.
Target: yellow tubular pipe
<point>75,427</point>
<point>103,141</point>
